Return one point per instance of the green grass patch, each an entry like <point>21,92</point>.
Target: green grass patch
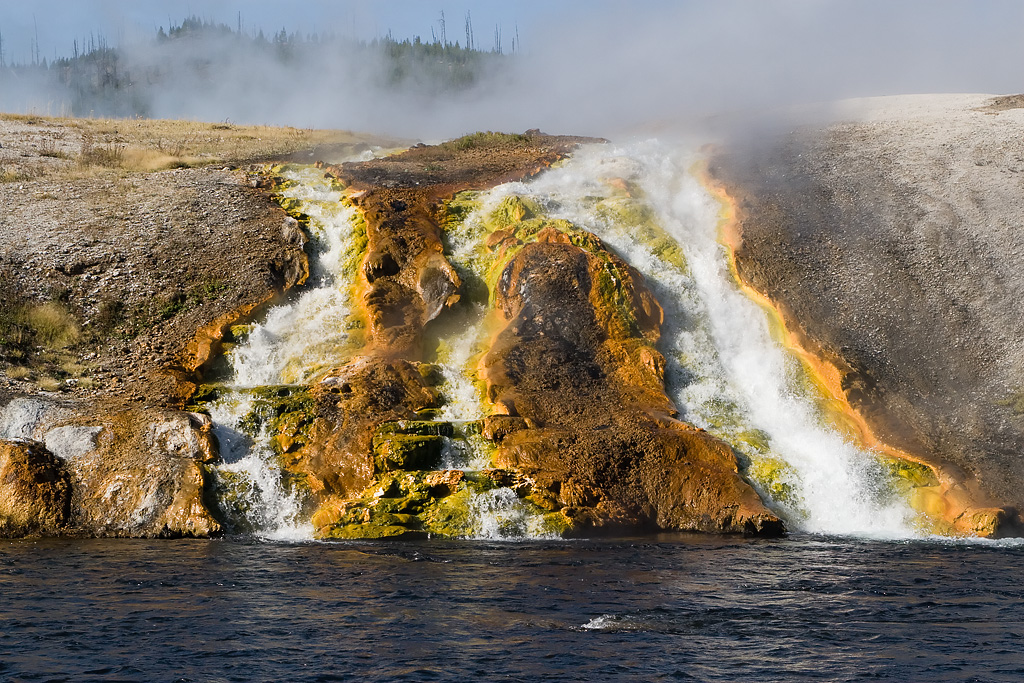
<point>485,139</point>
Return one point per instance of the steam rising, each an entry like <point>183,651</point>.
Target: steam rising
<point>588,67</point>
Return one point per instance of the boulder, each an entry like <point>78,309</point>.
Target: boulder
<point>130,472</point>
<point>35,490</point>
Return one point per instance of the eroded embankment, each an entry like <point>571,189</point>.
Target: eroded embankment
<point>137,295</point>
<point>940,492</point>
<point>887,260</point>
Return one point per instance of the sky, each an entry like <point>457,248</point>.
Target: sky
<point>592,67</point>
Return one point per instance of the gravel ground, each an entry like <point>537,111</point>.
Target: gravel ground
<point>139,261</point>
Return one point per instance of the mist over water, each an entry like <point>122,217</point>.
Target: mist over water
<point>595,67</point>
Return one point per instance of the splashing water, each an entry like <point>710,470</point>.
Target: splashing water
<point>303,337</point>
<point>724,371</point>
<point>459,351</point>
<point>462,405</point>
<point>500,515</point>
<point>461,396</point>
<point>298,340</point>
<point>249,480</point>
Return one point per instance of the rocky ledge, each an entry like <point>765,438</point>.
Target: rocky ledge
<point>582,428</point>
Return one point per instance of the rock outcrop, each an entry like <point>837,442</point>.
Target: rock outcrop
<point>891,245</point>
<point>35,492</point>
<point>404,282</point>
<point>95,472</point>
<point>582,426</point>
<point>576,372</point>
<point>582,436</point>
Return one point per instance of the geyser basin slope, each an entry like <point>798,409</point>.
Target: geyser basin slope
<point>722,368</point>
<point>569,362</point>
<point>892,242</point>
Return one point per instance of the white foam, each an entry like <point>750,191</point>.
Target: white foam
<point>500,515</point>
<point>297,341</point>
<point>306,336</point>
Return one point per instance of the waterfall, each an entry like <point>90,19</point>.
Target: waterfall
<point>459,349</point>
<point>303,337</point>
<point>298,339</point>
<point>499,515</point>
<point>724,371</point>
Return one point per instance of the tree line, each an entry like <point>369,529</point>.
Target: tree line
<point>97,79</point>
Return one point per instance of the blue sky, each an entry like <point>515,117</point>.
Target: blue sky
<point>60,22</point>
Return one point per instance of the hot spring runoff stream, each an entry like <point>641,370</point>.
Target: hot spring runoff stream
<point>725,372</point>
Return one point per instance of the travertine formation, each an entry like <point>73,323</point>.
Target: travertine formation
<point>582,426</point>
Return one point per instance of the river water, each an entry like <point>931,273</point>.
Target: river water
<point>812,608</point>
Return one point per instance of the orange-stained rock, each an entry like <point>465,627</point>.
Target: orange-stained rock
<point>350,403</point>
<point>587,427</point>
<point>35,490</point>
<point>575,359</point>
<point>445,482</point>
<point>901,415</point>
<point>405,282</point>
<point>132,472</point>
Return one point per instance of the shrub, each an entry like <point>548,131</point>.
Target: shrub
<point>109,154</point>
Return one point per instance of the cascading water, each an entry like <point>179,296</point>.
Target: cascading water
<point>462,405</point>
<point>458,352</point>
<point>298,340</point>
<point>302,338</point>
<point>724,371</point>
<point>497,514</point>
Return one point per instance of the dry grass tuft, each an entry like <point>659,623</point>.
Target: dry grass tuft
<point>19,173</point>
<point>72,368</point>
<point>18,372</point>
<point>54,326</point>
<point>109,154</point>
<point>49,384</point>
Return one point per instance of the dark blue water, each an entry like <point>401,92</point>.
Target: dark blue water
<point>667,608</point>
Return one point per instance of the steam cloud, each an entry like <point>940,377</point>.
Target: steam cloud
<point>600,68</point>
